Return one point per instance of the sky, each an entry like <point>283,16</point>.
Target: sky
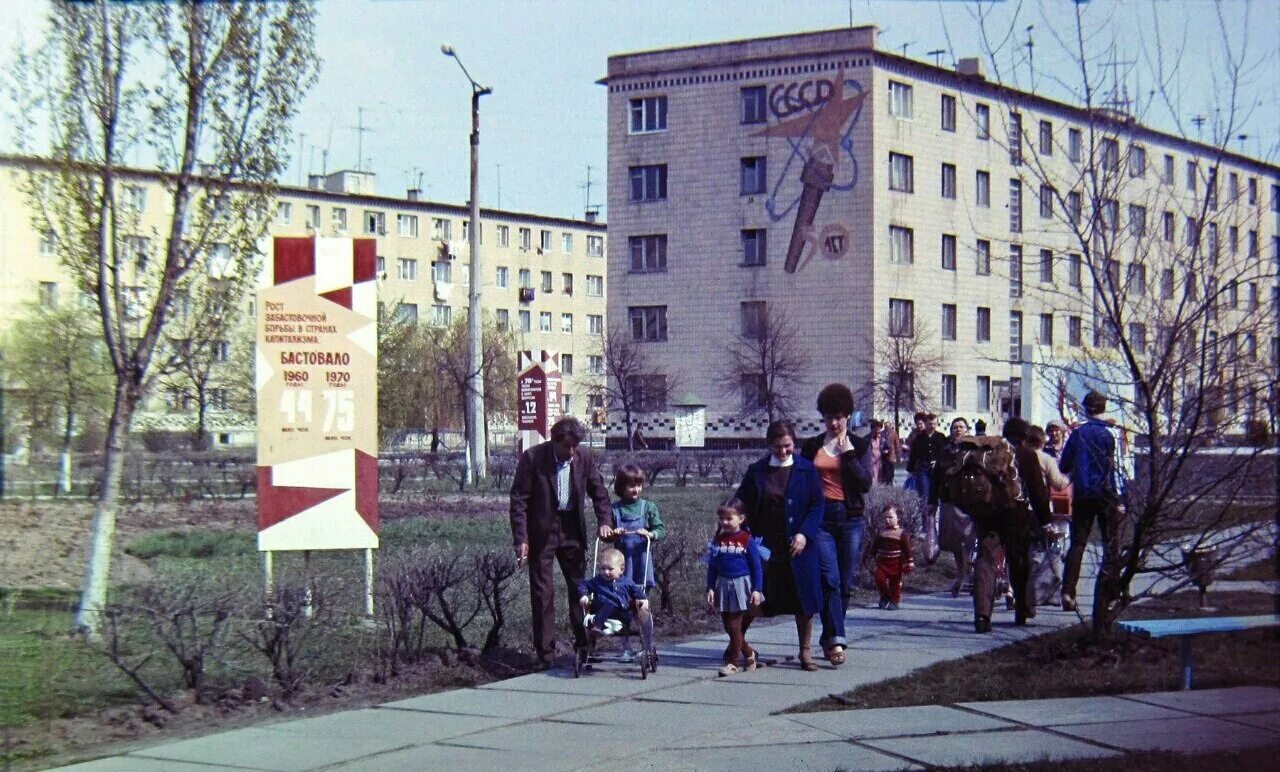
<point>545,123</point>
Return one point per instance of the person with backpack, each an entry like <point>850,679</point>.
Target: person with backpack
<point>1088,459</point>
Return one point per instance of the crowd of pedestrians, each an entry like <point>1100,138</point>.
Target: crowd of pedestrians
<point>790,540</point>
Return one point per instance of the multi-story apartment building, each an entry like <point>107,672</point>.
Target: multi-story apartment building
<point>916,230</point>
<point>544,276</point>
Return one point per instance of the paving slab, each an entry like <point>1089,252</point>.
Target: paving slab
<point>660,717</point>
<point>264,749</point>
<point>489,702</point>
<point>898,722</point>
<point>140,764</point>
<point>1261,720</point>
<point>771,730</point>
<point>816,756</point>
<point>1073,710</point>
<point>430,757</point>
<point>977,748</point>
<point>1217,702</point>
<point>730,692</point>
<point>1193,734</point>
<point>407,726</point>
<point>599,682</point>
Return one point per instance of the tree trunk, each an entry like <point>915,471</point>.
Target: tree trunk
<point>98,567</point>
<point>64,463</point>
<point>201,419</point>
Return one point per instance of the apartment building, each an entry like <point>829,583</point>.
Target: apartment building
<point>869,200</point>
<point>544,276</point>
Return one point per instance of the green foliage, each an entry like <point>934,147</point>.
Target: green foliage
<point>192,544</point>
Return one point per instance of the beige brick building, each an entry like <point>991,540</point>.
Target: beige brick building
<point>544,276</point>
<point>870,197</point>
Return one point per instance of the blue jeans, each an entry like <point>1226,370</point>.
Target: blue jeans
<point>839,550</point>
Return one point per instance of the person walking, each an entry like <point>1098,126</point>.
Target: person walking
<point>926,449</point>
<point>549,524</point>
<point>1088,459</point>
<point>782,498</point>
<point>838,457</point>
<point>882,452</point>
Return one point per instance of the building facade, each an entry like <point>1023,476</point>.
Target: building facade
<point>914,230</point>
<point>544,276</point>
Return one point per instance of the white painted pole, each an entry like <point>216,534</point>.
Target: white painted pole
<point>368,581</point>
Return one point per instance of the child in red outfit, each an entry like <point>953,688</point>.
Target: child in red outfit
<point>892,547</point>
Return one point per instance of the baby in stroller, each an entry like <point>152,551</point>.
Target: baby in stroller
<point>612,601</point>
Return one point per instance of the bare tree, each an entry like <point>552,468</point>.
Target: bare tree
<point>412,391</point>
<point>193,361</point>
<point>1158,235</point>
<point>447,347</point>
<point>766,363</point>
<point>905,358</point>
<point>205,92</point>
<point>631,384</point>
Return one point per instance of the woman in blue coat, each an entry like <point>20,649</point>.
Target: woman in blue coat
<point>782,497</point>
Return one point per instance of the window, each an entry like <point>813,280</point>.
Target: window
<point>1046,138</point>
<point>949,181</point>
<point>901,173</point>
<point>595,246</point>
<point>595,324</point>
<point>504,235</point>
<point>648,253</point>
<point>1046,201</point>
<point>1138,337</point>
<point>982,250</point>
<point>1015,206</point>
<point>754,246</point>
<point>983,328</point>
<point>137,249</point>
<point>900,100</point>
<point>1109,153</point>
<point>1137,161</point>
<point>752,176</point>
<point>407,269</point>
<point>526,278</point>
<point>649,183</point>
<point>1233,294</point>
<point>982,120</point>
<point>1211,188</point>
<point>442,272</point>
<point>313,216</point>
<point>901,318</point>
<point>650,392</point>
<point>948,321</point>
<point>595,286</point>
<point>466,232</point>
<point>1166,284</point>
<point>407,313</point>
<point>1212,238</point>
<point>1233,239</point>
<point>949,392</point>
<point>375,223</point>
<point>441,228</point>
<point>754,318</point>
<point>1015,271</point>
<point>49,244</point>
<point>441,315</point>
<point>566,243</point>
<point>983,402</point>
<point>1015,138</point>
<point>546,281</point>
<point>1192,173</point>
<point>1111,215</point>
<point>338,218</point>
<point>1253,297</point>
<point>48,294</point>
<point>948,252</point>
<point>544,321</point>
<point>526,321</point>
<point>1166,175</point>
<point>753,104</point>
<point>648,322</point>
<point>648,114</point>
<point>901,245</point>
<point>284,213</point>
<point>1251,245</point>
<point>1166,226</point>
<point>1015,336</point>
<point>1075,206</point>
<point>566,283</point>
<point>544,241</point>
<point>1046,266</point>
<point>1075,145</point>
<point>1075,334</point>
<point>755,388</point>
<point>502,276</point>
<point>1137,221</point>
<point>1192,231</point>
<point>948,112</point>
<point>566,323</point>
<point>1046,329</point>
<point>1253,191</point>
<point>595,364</point>
<point>1233,187</point>
<point>982,189</point>
<point>503,319</point>
<point>407,225</point>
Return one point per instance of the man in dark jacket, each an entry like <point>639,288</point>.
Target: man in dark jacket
<point>926,450</point>
<point>1089,460</point>
<point>549,523</point>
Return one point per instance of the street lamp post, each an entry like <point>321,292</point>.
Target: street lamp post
<point>476,440</point>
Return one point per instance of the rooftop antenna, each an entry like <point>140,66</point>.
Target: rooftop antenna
<point>302,143</point>
<point>1119,100</point>
<point>589,208</point>
<point>360,132</point>
<point>937,56</point>
<point>1199,120</point>
<point>324,154</point>
<point>904,47</point>
<point>1031,57</point>
<point>499,177</point>
<point>1242,138</point>
<point>850,14</point>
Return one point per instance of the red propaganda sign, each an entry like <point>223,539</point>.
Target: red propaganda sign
<point>538,389</point>
<point>532,389</point>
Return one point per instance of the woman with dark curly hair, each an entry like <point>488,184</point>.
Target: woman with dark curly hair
<point>840,460</point>
<point>782,498</point>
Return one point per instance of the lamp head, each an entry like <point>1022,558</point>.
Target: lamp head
<point>446,49</point>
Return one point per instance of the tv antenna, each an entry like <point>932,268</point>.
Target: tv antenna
<point>904,47</point>
<point>588,207</point>
<point>1199,120</point>
<point>499,178</point>
<point>937,56</point>
<point>1031,56</point>
<point>360,131</point>
<point>1119,100</point>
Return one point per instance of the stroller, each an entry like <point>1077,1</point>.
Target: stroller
<point>585,658</point>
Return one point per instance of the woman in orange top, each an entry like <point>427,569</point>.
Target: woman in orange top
<point>840,458</point>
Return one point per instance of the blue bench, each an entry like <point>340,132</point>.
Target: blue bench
<point>1185,629</point>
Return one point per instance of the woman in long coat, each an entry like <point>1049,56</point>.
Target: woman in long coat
<point>781,495</point>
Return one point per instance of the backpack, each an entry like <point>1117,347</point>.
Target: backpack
<point>982,476</point>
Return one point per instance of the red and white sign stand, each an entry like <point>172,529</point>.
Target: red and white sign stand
<point>538,390</point>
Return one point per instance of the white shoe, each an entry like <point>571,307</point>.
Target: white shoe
<point>612,626</point>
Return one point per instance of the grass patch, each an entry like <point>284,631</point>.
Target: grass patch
<point>192,544</point>
<point>1148,761</point>
<point>1065,664</point>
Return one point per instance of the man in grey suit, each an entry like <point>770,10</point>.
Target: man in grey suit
<point>549,523</point>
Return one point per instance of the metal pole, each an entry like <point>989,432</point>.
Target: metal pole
<point>368,581</point>
<point>268,582</point>
<point>2,420</point>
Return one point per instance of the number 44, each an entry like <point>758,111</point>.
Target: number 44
<point>339,408</point>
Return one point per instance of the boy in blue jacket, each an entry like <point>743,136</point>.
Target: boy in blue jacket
<point>611,600</point>
<point>1089,459</point>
